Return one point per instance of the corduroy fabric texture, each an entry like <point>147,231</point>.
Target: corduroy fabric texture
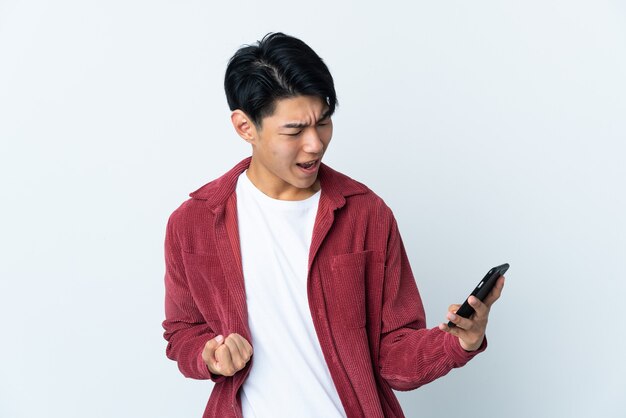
<point>364,301</point>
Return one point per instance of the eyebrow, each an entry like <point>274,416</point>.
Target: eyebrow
<point>325,116</point>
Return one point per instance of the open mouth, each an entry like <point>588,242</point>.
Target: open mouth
<point>308,165</point>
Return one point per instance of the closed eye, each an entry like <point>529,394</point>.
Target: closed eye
<point>324,121</point>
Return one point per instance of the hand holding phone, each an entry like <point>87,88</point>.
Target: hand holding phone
<point>481,291</point>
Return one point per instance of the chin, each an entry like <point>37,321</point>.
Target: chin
<point>303,185</point>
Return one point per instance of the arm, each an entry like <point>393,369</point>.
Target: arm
<point>410,354</point>
<point>186,331</point>
<point>192,342</point>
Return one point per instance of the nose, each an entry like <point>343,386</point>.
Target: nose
<point>312,142</point>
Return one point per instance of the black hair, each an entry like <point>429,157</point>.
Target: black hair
<point>278,66</point>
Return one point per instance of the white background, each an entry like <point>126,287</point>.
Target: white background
<point>494,129</point>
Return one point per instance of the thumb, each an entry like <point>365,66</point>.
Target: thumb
<point>208,354</point>
<point>453,308</point>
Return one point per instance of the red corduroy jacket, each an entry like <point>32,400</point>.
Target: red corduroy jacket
<point>364,302</point>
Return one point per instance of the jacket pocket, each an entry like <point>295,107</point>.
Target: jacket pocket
<point>345,287</point>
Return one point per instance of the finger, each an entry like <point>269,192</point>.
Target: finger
<point>245,349</point>
<point>454,307</point>
<point>242,352</point>
<point>236,339</point>
<point>237,357</point>
<point>456,331</point>
<point>480,308</point>
<point>459,321</point>
<point>495,292</point>
<point>224,361</point>
<point>469,340</point>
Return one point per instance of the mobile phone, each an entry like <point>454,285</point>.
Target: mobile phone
<point>481,291</point>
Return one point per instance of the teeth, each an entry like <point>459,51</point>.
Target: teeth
<point>307,165</point>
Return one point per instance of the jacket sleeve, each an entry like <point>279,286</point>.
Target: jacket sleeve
<point>186,331</point>
<point>410,354</point>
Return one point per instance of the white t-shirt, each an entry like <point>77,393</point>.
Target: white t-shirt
<point>289,377</point>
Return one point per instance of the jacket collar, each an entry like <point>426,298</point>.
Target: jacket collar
<point>335,186</point>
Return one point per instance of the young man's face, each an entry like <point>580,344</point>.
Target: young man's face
<point>288,147</point>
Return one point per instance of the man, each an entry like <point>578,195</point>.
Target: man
<point>290,260</point>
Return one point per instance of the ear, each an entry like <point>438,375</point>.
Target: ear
<point>244,127</point>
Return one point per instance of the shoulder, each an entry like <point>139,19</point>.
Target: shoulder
<point>195,204</point>
<point>204,201</point>
<point>189,220</point>
<point>358,197</point>
<point>187,211</point>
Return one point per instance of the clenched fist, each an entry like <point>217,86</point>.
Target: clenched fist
<point>226,356</point>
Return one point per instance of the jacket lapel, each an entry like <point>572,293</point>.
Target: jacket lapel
<point>323,221</point>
